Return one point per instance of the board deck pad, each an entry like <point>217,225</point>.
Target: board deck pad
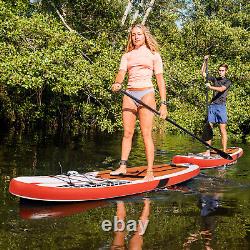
<point>140,172</point>
<point>214,154</point>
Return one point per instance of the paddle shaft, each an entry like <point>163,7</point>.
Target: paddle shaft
<point>206,61</point>
<point>207,134</point>
<point>220,152</point>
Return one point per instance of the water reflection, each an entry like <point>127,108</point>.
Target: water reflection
<point>209,205</point>
<point>139,228</point>
<point>40,210</point>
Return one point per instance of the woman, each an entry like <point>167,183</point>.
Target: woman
<point>140,61</point>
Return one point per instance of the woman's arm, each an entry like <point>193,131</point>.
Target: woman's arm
<point>161,86</point>
<point>117,85</point>
<point>162,89</point>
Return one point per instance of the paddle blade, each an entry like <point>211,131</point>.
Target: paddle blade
<point>207,133</point>
<point>224,155</point>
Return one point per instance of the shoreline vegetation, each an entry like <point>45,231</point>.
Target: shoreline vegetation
<point>58,61</point>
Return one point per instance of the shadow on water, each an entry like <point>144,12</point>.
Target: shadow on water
<point>210,211</point>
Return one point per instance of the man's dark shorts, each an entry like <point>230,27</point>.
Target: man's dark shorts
<point>217,113</point>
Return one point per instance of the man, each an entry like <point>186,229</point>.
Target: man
<point>217,112</point>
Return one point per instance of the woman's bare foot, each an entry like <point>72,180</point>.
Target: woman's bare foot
<point>146,201</point>
<point>120,171</point>
<point>149,176</point>
<point>206,153</point>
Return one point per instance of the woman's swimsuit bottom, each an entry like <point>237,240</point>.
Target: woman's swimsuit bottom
<point>139,94</point>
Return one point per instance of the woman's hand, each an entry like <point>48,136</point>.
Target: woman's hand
<point>163,111</point>
<point>116,86</point>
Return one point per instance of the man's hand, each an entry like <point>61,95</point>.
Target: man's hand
<point>206,57</point>
<point>208,85</point>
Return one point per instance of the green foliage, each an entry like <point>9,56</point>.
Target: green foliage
<point>55,76</point>
<point>60,79</point>
<point>183,49</point>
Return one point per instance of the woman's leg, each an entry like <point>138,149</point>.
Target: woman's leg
<point>136,241</point>
<point>146,122</point>
<point>119,233</point>
<point>129,111</point>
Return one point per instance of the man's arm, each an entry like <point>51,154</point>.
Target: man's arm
<point>204,66</point>
<point>219,89</point>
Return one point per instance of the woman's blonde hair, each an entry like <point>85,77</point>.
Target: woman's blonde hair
<point>149,39</point>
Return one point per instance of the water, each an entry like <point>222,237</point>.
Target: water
<point>211,211</point>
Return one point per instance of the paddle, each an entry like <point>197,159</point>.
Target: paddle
<point>220,152</point>
<point>207,133</point>
<point>206,86</point>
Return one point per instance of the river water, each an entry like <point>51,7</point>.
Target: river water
<point>211,211</point>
